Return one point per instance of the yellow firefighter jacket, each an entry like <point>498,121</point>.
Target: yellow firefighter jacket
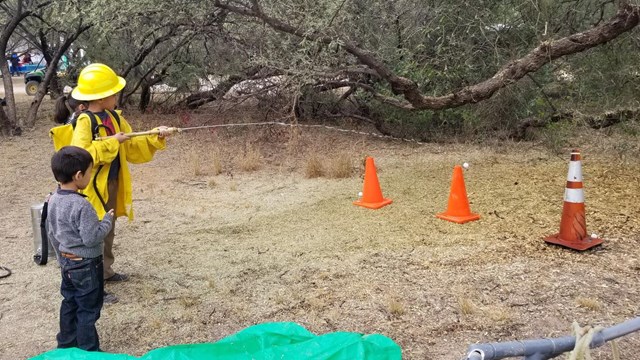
<point>136,150</point>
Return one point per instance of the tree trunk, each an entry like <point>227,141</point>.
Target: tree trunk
<point>55,90</point>
<point>145,96</point>
<point>52,69</point>
<point>5,125</point>
<point>15,126</point>
<point>14,20</point>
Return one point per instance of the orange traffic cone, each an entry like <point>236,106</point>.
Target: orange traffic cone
<point>458,209</point>
<point>371,192</point>
<point>573,226</point>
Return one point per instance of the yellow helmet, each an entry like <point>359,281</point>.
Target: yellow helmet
<point>97,81</point>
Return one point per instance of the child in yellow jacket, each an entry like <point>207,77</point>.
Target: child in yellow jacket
<point>110,185</point>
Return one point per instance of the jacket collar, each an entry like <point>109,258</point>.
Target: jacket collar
<point>68,192</point>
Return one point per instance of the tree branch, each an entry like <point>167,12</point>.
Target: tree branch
<point>626,19</point>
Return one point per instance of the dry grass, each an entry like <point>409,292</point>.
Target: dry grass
<point>216,163</point>
<point>251,160</point>
<point>466,306</point>
<point>211,283</point>
<point>589,303</point>
<point>188,301</point>
<point>340,166</point>
<point>499,315</point>
<point>293,142</point>
<point>273,246</point>
<point>395,308</point>
<point>196,164</point>
<point>314,167</point>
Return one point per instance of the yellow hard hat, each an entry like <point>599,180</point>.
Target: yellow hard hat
<point>97,81</point>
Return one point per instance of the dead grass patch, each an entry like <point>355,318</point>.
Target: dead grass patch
<point>189,301</point>
<point>294,141</point>
<point>396,308</point>
<point>317,303</point>
<point>251,160</point>
<point>211,284</point>
<point>340,167</point>
<point>588,303</point>
<point>155,324</point>
<point>466,306</point>
<point>499,314</point>
<point>216,163</point>
<point>314,167</point>
<point>196,164</point>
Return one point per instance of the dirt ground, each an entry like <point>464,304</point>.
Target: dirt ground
<point>214,248</point>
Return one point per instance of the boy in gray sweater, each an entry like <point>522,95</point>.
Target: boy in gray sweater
<point>77,237</point>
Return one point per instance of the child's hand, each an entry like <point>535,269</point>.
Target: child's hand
<point>111,212</point>
<point>121,137</point>
<point>164,132</point>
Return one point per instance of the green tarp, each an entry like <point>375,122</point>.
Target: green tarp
<point>270,341</point>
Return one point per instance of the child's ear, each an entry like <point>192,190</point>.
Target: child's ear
<point>78,175</point>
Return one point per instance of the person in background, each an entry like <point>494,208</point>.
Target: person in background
<point>15,64</point>
<point>67,109</point>
<point>26,59</point>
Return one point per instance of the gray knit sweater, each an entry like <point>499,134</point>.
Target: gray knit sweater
<point>73,225</point>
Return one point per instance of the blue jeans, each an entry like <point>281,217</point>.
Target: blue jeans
<point>83,290</point>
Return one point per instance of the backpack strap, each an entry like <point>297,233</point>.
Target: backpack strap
<point>94,133</point>
<point>94,123</point>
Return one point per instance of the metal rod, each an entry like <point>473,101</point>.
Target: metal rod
<point>541,349</point>
<point>179,130</point>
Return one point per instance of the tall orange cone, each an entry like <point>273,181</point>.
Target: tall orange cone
<point>573,226</point>
<point>371,192</point>
<point>458,209</point>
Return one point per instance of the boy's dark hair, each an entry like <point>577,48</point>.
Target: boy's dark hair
<point>68,161</point>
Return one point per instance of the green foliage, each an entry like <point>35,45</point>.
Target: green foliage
<point>556,136</point>
<point>441,45</point>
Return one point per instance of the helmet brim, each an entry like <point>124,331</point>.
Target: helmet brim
<point>78,95</point>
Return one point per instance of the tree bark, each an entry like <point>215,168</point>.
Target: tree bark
<point>145,96</point>
<point>54,85</point>
<point>11,114</point>
<point>52,69</point>
<point>5,124</point>
<point>10,118</point>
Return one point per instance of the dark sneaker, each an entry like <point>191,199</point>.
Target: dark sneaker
<point>110,298</point>
<point>118,278</point>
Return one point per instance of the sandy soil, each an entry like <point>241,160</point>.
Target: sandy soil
<point>18,87</point>
<point>212,254</point>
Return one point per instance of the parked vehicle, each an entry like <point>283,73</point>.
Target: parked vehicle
<point>33,78</point>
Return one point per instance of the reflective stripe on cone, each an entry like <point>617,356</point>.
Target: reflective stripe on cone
<point>573,225</point>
